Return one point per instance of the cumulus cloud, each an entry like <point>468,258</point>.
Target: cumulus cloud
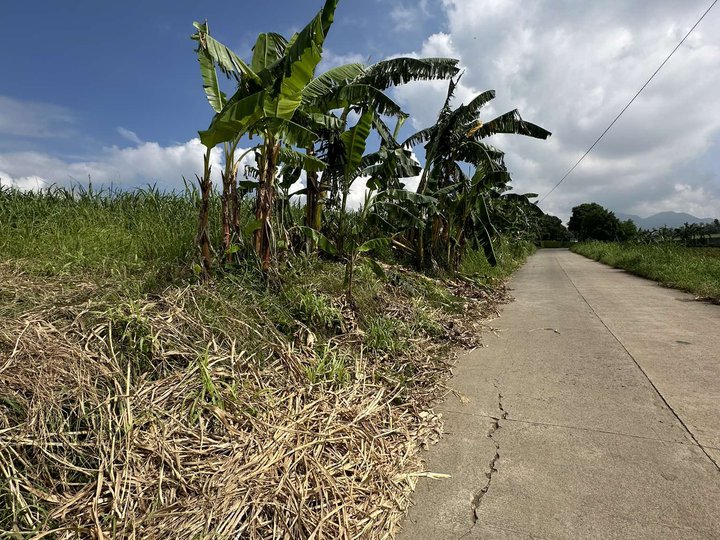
<point>406,16</point>
<point>571,67</point>
<point>125,168</point>
<point>331,59</point>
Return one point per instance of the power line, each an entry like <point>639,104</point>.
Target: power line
<point>629,102</point>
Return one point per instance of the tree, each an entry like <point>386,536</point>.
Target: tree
<point>590,221</point>
<point>627,230</point>
<point>455,139</point>
<point>280,99</point>
<point>552,228</point>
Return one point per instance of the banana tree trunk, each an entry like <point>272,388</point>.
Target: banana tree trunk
<point>225,213</point>
<point>315,196</point>
<point>234,206</point>
<point>265,200</point>
<point>203,236</point>
<point>229,200</point>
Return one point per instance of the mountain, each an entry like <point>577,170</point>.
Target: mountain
<point>666,219</point>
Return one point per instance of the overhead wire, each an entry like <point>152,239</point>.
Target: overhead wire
<point>629,102</point>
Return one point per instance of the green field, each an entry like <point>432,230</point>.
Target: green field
<point>696,270</point>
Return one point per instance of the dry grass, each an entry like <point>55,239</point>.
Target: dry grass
<point>137,420</point>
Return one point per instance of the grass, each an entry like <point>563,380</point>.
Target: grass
<point>141,238</point>
<point>696,270</point>
<point>136,402</point>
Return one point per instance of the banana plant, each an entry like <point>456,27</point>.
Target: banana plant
<point>456,138</point>
<point>213,56</point>
<point>350,248</point>
<point>358,88</point>
<point>279,99</point>
<point>268,97</point>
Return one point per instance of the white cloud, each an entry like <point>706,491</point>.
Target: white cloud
<point>571,67</point>
<point>21,118</point>
<point>129,135</point>
<point>331,60</point>
<point>126,168</point>
<point>407,16</point>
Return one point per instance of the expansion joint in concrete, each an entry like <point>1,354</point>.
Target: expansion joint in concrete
<point>643,372</point>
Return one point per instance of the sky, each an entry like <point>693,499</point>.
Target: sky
<point>111,91</point>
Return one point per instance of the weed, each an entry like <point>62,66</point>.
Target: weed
<point>314,309</point>
<point>386,336</point>
<point>328,366</point>
<point>696,270</point>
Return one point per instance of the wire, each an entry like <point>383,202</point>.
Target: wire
<point>629,103</point>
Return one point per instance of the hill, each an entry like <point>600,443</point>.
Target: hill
<point>666,219</point>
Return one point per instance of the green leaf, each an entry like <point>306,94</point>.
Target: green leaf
<point>297,159</point>
<point>375,243</point>
<point>376,268</point>
<point>215,96</point>
<point>411,196</point>
<point>403,70</point>
<point>297,66</point>
<point>358,94</point>
<point>320,240</point>
<point>252,226</point>
<point>421,137</point>
<point>330,80</point>
<point>469,112</point>
<point>237,118</point>
<point>229,62</point>
<point>268,49</point>
<point>355,140</point>
<point>510,122</point>
<point>318,121</point>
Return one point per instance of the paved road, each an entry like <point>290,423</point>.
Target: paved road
<point>593,413</point>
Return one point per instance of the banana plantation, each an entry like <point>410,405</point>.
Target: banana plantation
<point>319,135</point>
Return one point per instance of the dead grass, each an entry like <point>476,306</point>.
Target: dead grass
<point>139,420</point>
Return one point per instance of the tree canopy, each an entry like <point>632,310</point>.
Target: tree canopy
<point>591,221</point>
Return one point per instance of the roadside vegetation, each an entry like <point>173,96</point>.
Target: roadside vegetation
<point>696,270</point>
<point>256,359</point>
<point>136,401</point>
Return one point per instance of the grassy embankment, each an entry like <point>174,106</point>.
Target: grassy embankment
<point>134,401</point>
<point>696,270</point>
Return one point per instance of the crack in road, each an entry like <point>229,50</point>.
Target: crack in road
<point>492,469</point>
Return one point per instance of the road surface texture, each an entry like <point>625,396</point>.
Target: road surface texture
<point>594,412</point>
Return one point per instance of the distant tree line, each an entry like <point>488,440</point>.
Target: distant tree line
<point>591,221</point>
<point>689,234</point>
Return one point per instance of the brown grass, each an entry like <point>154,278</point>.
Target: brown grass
<point>138,421</point>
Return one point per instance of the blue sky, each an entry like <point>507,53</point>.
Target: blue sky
<point>112,90</point>
<point>132,64</point>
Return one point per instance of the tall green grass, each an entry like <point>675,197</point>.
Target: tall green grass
<point>696,270</point>
<point>144,235</point>
<point>510,255</point>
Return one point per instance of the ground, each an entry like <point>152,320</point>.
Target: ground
<point>591,414</point>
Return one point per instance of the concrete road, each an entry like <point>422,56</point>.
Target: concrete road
<point>594,412</point>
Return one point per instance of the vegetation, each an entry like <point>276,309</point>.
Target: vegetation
<point>123,384</point>
<point>690,234</point>
<point>286,392</point>
<point>319,127</point>
<point>696,270</point>
<point>590,221</point>
<point>551,229</point>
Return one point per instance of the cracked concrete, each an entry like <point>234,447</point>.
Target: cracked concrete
<point>492,467</point>
<point>606,426</point>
